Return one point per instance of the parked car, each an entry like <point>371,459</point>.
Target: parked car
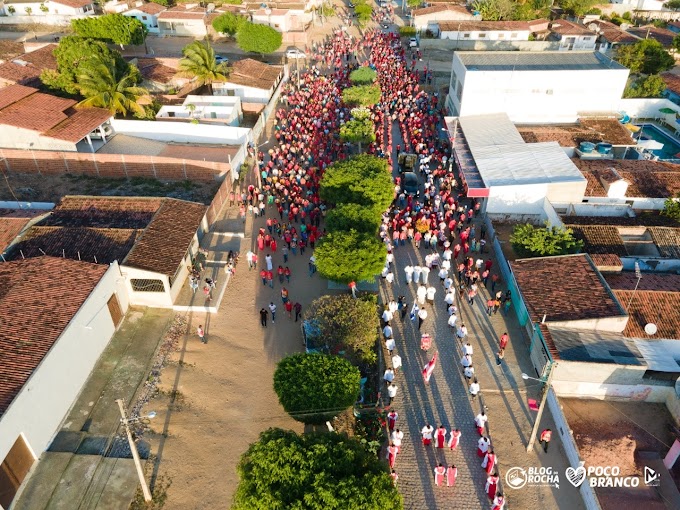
<point>410,184</point>
<point>221,59</point>
<point>295,53</point>
<point>351,5</point>
<point>413,42</point>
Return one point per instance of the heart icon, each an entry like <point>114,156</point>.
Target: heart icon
<point>576,476</point>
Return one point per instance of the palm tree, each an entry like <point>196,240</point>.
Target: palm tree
<point>101,88</point>
<point>199,62</point>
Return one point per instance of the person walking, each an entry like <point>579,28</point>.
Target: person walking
<point>396,362</point>
<point>268,261</point>
<point>395,477</point>
<point>498,502</point>
<point>392,390</point>
<point>454,438</point>
<point>480,422</point>
<point>272,309</point>
<point>503,343</point>
<point>392,452</point>
<point>440,437</point>
<point>298,310</point>
<point>421,294</point>
<point>389,375</point>
<point>451,475</point>
<point>263,317</point>
<point>249,259</point>
<point>422,315</point>
<point>353,288</point>
<point>492,485</point>
<point>483,446</point>
<point>288,305</point>
<point>474,388</point>
<point>392,418</point>
<point>427,432</point>
<point>439,474</point>
<point>201,335</point>
<point>489,462</point>
<point>546,435</point>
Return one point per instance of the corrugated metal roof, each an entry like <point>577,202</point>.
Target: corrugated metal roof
<point>595,346</point>
<point>536,61</point>
<point>661,355</point>
<point>504,159</point>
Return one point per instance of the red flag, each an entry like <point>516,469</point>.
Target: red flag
<point>429,368</point>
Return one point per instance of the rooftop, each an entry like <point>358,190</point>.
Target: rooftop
<point>251,73</point>
<point>149,8</point>
<point>25,69</point>
<point>10,49</point>
<point>474,26</point>
<point>74,3</point>
<point>594,346</point>
<point>35,312</point>
<point>652,179</point>
<point>196,13</point>
<point>571,135</point>
<point>12,222</point>
<point>58,117</point>
<point>611,32</point>
<point>125,144</point>
<point>503,158</point>
<point>546,289</point>
<point>565,27</point>
<point>672,82</point>
<point>600,239</point>
<point>536,61</point>
<point>664,36</point>
<point>158,70</point>
<point>440,8</point>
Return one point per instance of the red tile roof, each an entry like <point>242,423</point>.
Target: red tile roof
<point>35,310</point>
<point>564,27</point>
<point>26,68</point>
<point>149,8</point>
<point>601,239</point>
<point>612,33</point>
<point>672,82</point>
<point>9,229</point>
<point>570,135</point>
<point>10,49</point>
<point>80,122</point>
<point>564,288</point>
<point>73,3</point>
<point>653,179</point>
<point>627,280</point>
<point>607,261</point>
<point>657,307</point>
<point>440,8</point>
<point>163,245</point>
<point>13,94</point>
<point>180,12</point>
<point>665,37</point>
<point>251,73</point>
<point>667,240</point>
<point>156,70</point>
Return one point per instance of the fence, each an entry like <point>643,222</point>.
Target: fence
<point>571,450</point>
<point>110,165</point>
<point>218,201</point>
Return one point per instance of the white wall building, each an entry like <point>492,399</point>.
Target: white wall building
<point>252,81</point>
<point>429,17</point>
<point>534,87</point>
<point>183,21</point>
<point>48,7</point>
<point>484,30</point>
<point>223,110</point>
<point>513,177</point>
<point>147,14</point>
<point>47,360</point>
<point>572,36</point>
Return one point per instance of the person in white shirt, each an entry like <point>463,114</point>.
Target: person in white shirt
<point>469,373</point>
<point>450,297</point>
<point>392,306</point>
<point>389,278</point>
<point>443,273</point>
<point>480,422</point>
<point>467,349</point>
<point>396,362</point>
<point>448,283</point>
<point>249,258</point>
<point>425,273</point>
<point>447,254</point>
<point>466,361</point>
<point>479,263</point>
<point>389,259</point>
<point>385,270</point>
<point>430,292</point>
<point>389,375</point>
<point>422,315</point>
<point>387,331</point>
<point>390,344</point>
<point>387,315</point>
<point>397,437</point>
<point>446,264</point>
<point>392,391</point>
<point>416,273</point>
<point>428,260</point>
<point>474,389</point>
<point>483,446</point>
<point>462,331</point>
<point>452,320</point>
<point>408,271</point>
<point>453,310</point>
<point>426,432</point>
<point>421,293</point>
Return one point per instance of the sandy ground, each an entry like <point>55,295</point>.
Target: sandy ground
<point>623,429</point>
<point>223,393</point>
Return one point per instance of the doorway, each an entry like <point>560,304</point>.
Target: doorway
<point>14,469</point>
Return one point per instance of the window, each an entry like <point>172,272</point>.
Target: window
<point>586,38</point>
<point>513,35</point>
<point>144,18</point>
<point>482,35</point>
<point>549,92</point>
<point>501,36</point>
<point>459,91</point>
<point>144,285</point>
<point>466,36</point>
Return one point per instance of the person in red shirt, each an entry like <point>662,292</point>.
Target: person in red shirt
<point>280,272</point>
<point>270,279</point>
<point>286,273</point>
<point>289,308</point>
<point>546,435</point>
<point>263,275</point>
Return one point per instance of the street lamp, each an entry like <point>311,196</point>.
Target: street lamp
<point>125,421</point>
<point>548,384</point>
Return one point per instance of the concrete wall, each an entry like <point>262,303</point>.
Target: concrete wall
<point>486,35</point>
<point>42,404</point>
<point>638,203</point>
<point>247,94</point>
<point>597,209</point>
<point>141,298</point>
<point>611,324</point>
<point>607,381</point>
<point>487,45</point>
<point>646,108</point>
<point>651,264</point>
<point>421,22</point>
<point>570,191</point>
<point>17,138</point>
<point>182,132</point>
<point>111,165</point>
<point>526,199</point>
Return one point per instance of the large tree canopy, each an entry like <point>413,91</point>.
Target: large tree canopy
<point>646,86</point>
<point>363,76</point>
<point>361,95</point>
<point>529,241</point>
<point>314,388</point>
<point>258,38</point>
<point>363,179</point>
<point>353,216</point>
<point>647,56</point>
<point>347,256</point>
<point>229,23</point>
<point>73,54</point>
<point>199,62</point>
<point>346,324</point>
<point>114,28</point>
<point>318,471</point>
<point>102,88</point>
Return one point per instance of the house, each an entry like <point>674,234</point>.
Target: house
<point>279,19</point>
<point>427,18</point>
<point>609,35</point>
<point>183,20</point>
<point>58,316</point>
<point>484,30</point>
<point>26,69</point>
<point>59,126</point>
<point>509,175</point>
<point>116,7</point>
<point>147,13</point>
<point>13,222</point>
<point>572,36</point>
<point>160,74</point>
<point>252,81</point>
<point>535,87</point>
<point>153,239</point>
<point>10,49</point>
<point>48,7</point>
<point>222,110</point>
<point>662,35</point>
<point>672,91</point>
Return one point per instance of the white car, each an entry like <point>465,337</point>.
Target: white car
<point>295,53</point>
<point>413,42</point>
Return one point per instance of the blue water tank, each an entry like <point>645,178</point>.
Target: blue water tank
<point>586,147</point>
<point>604,148</point>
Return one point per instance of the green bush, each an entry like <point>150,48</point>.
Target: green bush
<point>314,388</point>
<point>345,217</point>
<point>258,38</point>
<point>406,31</point>
<point>530,241</point>
<point>363,76</point>
<point>361,95</point>
<point>350,256</point>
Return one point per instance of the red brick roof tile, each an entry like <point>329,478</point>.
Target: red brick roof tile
<point>565,27</point>
<point>652,179</point>
<point>14,93</point>
<point>149,8</point>
<point>9,229</point>
<point>600,239</point>
<point>440,8</point>
<point>80,122</point>
<point>657,307</point>
<point>35,310</point>
<point>73,3</point>
<point>564,288</point>
<point>627,280</point>
<point>672,82</point>
<point>251,73</point>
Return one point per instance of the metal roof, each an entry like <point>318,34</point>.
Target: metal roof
<point>596,347</point>
<point>536,61</point>
<point>660,355</point>
<point>504,159</point>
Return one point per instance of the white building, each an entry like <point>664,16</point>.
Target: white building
<point>58,316</point>
<point>223,110</point>
<point>511,176</point>
<point>48,7</point>
<point>147,13</point>
<point>252,81</point>
<point>428,17</point>
<point>641,5</point>
<point>184,21</point>
<point>534,87</point>
<point>484,30</point>
<point>572,36</point>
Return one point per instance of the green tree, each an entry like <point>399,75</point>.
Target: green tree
<point>363,76</point>
<point>673,5</point>
<point>229,23</point>
<point>413,4</point>
<point>577,7</point>
<point>314,388</point>
<point>102,88</point>
<point>364,13</point>
<point>350,256</point>
<point>647,56</point>
<point>494,10</point>
<point>646,86</point>
<point>357,131</point>
<point>671,208</point>
<point>676,41</point>
<point>346,324</point>
<point>354,216</point>
<point>258,38</point>
<point>317,471</point>
<point>530,241</point>
<point>363,179</point>
<point>72,54</point>
<point>164,3</point>
<point>114,28</point>
<point>361,95</point>
<point>199,62</point>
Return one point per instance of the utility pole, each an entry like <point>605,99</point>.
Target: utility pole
<point>135,454</point>
<point>548,385</point>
